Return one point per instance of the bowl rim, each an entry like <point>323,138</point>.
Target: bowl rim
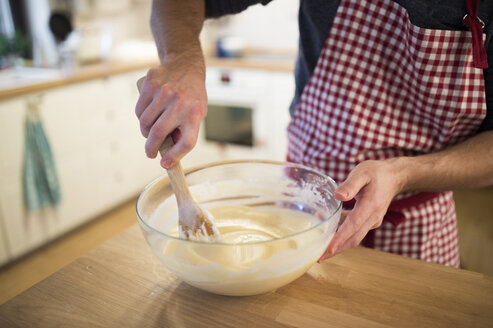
<point>228,162</point>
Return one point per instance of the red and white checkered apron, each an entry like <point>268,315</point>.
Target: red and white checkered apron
<point>382,88</point>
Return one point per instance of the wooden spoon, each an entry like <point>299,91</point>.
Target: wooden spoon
<point>194,222</point>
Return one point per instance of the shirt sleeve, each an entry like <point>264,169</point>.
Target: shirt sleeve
<point>218,8</point>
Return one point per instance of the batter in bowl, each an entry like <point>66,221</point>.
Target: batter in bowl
<point>260,247</point>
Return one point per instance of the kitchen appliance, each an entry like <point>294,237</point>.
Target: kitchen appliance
<point>247,113</point>
<point>253,266</point>
<point>230,124</point>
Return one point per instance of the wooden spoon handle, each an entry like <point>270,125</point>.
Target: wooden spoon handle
<point>177,179</point>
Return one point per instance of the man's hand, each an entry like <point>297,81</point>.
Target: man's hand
<point>173,101</point>
<point>373,184</point>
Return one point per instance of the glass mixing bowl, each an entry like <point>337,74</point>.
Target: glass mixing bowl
<point>302,217</point>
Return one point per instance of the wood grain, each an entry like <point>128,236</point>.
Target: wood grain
<point>23,273</point>
<point>121,284</point>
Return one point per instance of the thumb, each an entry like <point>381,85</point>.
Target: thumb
<point>351,186</point>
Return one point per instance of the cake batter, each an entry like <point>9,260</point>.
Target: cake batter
<point>260,248</point>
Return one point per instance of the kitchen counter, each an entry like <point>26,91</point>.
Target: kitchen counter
<point>122,284</point>
<point>109,68</point>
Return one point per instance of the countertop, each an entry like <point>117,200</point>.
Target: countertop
<point>122,284</point>
<point>83,73</point>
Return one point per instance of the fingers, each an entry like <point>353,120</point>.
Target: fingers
<point>354,240</point>
<point>351,186</point>
<point>185,129</point>
<point>343,218</point>
<point>373,185</point>
<point>367,214</point>
<point>353,222</point>
<point>167,112</point>
<point>142,103</point>
<point>154,110</point>
<point>163,126</point>
<point>146,96</point>
<point>172,99</point>
<point>185,143</point>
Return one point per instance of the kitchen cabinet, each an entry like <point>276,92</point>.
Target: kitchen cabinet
<point>98,151</point>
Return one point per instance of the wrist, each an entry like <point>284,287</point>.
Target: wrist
<point>403,171</point>
<point>414,172</point>
<point>187,59</point>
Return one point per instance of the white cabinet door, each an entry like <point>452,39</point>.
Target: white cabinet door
<point>121,160</point>
<point>98,151</point>
<point>108,165</point>
<point>72,120</point>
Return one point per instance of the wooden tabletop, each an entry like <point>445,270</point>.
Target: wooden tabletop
<point>122,284</point>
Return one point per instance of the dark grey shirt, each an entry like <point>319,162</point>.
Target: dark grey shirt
<point>316,17</point>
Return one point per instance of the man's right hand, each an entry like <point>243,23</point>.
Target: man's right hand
<point>173,100</point>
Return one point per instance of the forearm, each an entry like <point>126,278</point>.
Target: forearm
<point>176,27</point>
<point>465,165</point>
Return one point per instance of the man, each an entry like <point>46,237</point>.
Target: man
<point>393,100</point>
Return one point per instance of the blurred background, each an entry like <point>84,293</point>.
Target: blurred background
<point>72,158</point>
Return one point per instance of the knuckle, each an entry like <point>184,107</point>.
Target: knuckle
<point>153,136</point>
<point>154,73</point>
<point>358,239</point>
<point>181,102</point>
<point>375,207</point>
<point>151,73</point>
<point>145,122</point>
<point>197,112</point>
<point>188,143</point>
<point>149,148</point>
<point>355,242</point>
<point>378,204</point>
<point>202,111</point>
<point>377,224</point>
<point>164,91</point>
<point>155,85</point>
<point>365,167</point>
<point>159,133</point>
<point>151,84</point>
<point>144,131</point>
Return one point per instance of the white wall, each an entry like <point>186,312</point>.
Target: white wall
<point>273,27</point>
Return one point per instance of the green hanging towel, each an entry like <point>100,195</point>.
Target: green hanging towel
<point>41,186</point>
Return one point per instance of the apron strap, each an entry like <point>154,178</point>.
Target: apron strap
<point>475,25</point>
